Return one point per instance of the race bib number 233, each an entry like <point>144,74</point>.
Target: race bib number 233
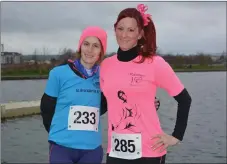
<point>83,118</point>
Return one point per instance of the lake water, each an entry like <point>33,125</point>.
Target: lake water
<point>24,140</point>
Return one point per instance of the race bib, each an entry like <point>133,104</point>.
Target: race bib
<point>83,118</point>
<point>126,146</point>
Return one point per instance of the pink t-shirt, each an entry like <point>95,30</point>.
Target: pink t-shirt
<point>130,89</point>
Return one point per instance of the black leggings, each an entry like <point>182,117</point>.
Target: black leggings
<point>143,160</point>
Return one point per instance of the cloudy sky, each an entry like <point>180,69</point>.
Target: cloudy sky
<point>182,27</point>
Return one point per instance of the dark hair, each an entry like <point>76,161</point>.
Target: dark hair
<point>147,44</point>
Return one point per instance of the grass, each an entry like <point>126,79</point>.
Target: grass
<point>199,68</point>
<point>18,74</point>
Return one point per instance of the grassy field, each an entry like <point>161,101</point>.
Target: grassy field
<point>199,68</point>
<point>18,74</point>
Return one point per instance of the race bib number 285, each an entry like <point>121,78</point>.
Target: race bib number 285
<point>126,146</point>
<point>83,118</point>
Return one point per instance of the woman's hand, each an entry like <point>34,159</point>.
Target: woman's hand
<point>157,103</point>
<point>163,142</point>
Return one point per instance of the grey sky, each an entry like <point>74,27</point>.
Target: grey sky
<point>182,27</point>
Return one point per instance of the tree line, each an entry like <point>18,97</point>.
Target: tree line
<point>178,60</point>
<point>175,60</point>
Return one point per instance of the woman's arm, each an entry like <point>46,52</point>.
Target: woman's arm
<point>47,107</point>
<point>157,103</point>
<point>49,99</point>
<point>103,107</point>
<point>167,79</point>
<point>184,102</point>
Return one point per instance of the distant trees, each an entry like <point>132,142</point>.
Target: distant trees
<point>65,54</point>
<point>177,60</point>
<point>34,56</point>
<point>180,60</point>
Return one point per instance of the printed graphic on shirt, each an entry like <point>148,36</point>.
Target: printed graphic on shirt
<point>129,115</point>
<point>96,82</point>
<point>137,79</point>
<point>88,90</point>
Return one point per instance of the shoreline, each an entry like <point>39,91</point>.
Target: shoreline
<point>19,109</point>
<point>42,77</point>
<point>24,77</point>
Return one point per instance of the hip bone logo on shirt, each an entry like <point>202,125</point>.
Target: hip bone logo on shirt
<point>129,115</point>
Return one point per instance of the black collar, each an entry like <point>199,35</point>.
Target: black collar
<point>129,55</point>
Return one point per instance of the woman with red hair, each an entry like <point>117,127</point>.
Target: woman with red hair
<point>129,81</point>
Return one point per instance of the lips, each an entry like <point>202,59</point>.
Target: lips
<point>124,41</point>
<point>88,56</point>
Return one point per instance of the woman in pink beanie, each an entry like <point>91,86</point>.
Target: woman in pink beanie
<point>70,105</point>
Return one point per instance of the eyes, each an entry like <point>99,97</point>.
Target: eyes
<point>122,29</point>
<point>93,45</point>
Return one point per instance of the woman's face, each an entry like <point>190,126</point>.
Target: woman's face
<point>127,33</point>
<point>90,50</point>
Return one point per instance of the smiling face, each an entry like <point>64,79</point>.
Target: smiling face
<point>91,49</point>
<point>127,33</point>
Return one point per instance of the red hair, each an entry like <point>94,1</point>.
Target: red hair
<point>147,43</point>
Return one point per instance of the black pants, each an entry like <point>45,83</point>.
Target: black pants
<point>144,160</point>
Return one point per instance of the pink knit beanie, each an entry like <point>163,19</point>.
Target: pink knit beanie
<point>94,31</point>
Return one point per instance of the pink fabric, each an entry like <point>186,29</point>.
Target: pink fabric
<point>142,9</point>
<point>133,86</point>
<point>94,31</point>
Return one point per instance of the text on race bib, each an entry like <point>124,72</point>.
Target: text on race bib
<point>83,118</point>
<point>126,146</point>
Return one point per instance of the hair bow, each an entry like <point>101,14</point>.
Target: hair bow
<point>142,9</point>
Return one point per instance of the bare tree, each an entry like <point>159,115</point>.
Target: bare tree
<point>45,50</point>
<point>66,54</point>
<point>34,56</point>
<point>2,47</point>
